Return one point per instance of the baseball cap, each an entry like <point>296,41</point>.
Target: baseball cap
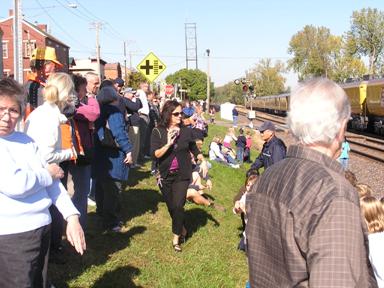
<point>129,90</point>
<point>267,125</point>
<point>46,53</point>
<point>119,82</point>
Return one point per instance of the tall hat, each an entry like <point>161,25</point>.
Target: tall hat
<point>47,53</point>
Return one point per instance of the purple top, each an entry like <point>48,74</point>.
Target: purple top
<point>174,165</point>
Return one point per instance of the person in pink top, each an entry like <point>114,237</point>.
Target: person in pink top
<point>248,145</point>
<point>80,170</point>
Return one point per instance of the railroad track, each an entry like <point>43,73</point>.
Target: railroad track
<point>362,145</point>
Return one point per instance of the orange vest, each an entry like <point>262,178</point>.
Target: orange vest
<point>70,138</point>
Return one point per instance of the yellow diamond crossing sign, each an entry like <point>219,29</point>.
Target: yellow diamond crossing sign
<point>151,67</point>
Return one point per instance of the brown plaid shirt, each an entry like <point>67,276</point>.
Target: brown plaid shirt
<point>304,226</point>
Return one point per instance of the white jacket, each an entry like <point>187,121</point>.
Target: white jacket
<point>43,126</point>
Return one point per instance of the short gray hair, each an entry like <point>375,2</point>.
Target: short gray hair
<point>318,108</point>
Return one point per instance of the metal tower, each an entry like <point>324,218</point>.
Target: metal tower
<point>190,44</point>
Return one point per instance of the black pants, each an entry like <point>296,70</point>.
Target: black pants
<point>143,127</point>
<point>24,259</point>
<point>174,192</point>
<point>108,200</point>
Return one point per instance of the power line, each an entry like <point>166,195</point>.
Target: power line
<point>72,12</point>
<point>62,29</point>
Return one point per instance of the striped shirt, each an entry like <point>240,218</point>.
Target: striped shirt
<point>304,226</point>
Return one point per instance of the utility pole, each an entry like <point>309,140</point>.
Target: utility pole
<point>97,26</point>
<point>125,64</point>
<point>208,81</point>
<point>17,42</point>
<point>1,55</point>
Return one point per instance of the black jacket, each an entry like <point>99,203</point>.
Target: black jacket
<point>273,151</point>
<point>181,149</point>
<point>132,108</point>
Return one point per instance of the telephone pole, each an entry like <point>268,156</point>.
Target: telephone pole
<point>97,26</point>
<point>125,64</point>
<point>17,42</point>
<point>208,80</point>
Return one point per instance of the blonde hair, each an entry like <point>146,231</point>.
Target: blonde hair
<point>373,212</point>
<point>364,190</point>
<point>64,85</point>
<point>51,94</point>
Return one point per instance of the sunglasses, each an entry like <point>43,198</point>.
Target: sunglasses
<point>177,114</point>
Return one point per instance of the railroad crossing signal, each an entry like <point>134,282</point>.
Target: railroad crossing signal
<point>151,67</point>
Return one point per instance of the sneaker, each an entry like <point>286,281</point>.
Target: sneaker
<point>91,202</point>
<point>147,157</point>
<point>236,166</point>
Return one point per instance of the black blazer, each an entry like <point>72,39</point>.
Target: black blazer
<point>181,149</point>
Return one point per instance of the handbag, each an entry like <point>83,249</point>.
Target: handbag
<point>108,141</point>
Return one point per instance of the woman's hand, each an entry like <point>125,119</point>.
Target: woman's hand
<point>203,165</point>
<point>172,135</point>
<point>75,234</point>
<point>128,158</point>
<point>55,171</point>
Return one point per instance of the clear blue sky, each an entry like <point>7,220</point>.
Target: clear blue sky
<point>238,33</point>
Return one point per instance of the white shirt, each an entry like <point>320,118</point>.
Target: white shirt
<point>214,152</point>
<point>376,256</point>
<point>26,187</point>
<point>144,101</point>
<point>43,125</point>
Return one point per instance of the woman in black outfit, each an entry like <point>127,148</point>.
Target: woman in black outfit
<point>171,144</point>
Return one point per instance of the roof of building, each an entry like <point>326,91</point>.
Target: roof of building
<point>47,35</point>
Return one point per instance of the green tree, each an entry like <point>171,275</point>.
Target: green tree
<point>135,78</point>
<point>267,77</point>
<point>229,92</point>
<point>366,36</point>
<point>312,48</point>
<point>344,65</point>
<point>194,81</point>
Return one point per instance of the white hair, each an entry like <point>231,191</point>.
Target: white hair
<point>318,108</point>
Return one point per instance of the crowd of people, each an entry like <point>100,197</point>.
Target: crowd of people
<point>61,131</point>
<point>301,215</point>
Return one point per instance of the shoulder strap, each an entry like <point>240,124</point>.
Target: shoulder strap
<point>158,131</point>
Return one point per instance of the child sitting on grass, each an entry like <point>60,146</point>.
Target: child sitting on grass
<point>239,207</point>
<point>373,212</point>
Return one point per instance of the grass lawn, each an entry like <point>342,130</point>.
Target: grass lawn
<point>142,256</point>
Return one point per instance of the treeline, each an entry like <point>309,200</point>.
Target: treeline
<point>316,52</point>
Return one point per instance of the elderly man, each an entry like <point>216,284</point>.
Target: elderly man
<point>304,227</point>
<point>273,150</point>
<point>93,83</point>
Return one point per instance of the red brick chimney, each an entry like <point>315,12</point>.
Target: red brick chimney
<point>42,27</point>
<point>10,12</point>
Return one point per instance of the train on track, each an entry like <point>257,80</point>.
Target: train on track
<point>366,98</point>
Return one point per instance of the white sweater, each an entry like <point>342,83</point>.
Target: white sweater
<point>26,187</point>
<point>376,256</point>
<point>43,125</point>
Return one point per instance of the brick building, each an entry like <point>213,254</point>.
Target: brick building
<point>112,71</point>
<point>33,36</point>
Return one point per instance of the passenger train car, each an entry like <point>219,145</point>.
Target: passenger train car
<point>366,98</point>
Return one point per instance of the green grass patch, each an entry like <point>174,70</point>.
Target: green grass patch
<point>142,256</point>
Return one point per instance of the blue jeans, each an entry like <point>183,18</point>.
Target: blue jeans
<point>240,154</point>
<point>235,120</point>
<point>344,162</point>
<point>81,176</point>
